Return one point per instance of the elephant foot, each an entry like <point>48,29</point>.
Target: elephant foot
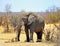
<point>31,41</point>
<point>27,40</point>
<point>18,40</point>
<point>39,40</point>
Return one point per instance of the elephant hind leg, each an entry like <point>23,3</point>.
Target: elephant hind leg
<point>39,36</point>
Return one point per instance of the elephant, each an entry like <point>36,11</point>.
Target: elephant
<point>35,24</point>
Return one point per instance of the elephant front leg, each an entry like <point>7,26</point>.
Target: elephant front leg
<point>31,36</point>
<point>32,27</point>
<point>27,34</point>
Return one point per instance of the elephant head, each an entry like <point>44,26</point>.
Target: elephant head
<point>28,19</point>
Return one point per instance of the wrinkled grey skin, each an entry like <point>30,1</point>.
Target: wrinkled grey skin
<point>35,24</point>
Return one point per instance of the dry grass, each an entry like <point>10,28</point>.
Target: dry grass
<point>8,36</point>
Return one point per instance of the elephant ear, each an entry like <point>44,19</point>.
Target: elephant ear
<point>31,19</point>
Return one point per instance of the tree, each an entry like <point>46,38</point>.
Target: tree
<point>8,10</point>
<point>53,14</point>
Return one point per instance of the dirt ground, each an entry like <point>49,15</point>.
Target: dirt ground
<point>5,37</point>
<point>8,36</point>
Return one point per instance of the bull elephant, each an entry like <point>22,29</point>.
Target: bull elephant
<point>35,24</point>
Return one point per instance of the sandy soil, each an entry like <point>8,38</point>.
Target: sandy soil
<point>4,37</point>
<point>8,36</point>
